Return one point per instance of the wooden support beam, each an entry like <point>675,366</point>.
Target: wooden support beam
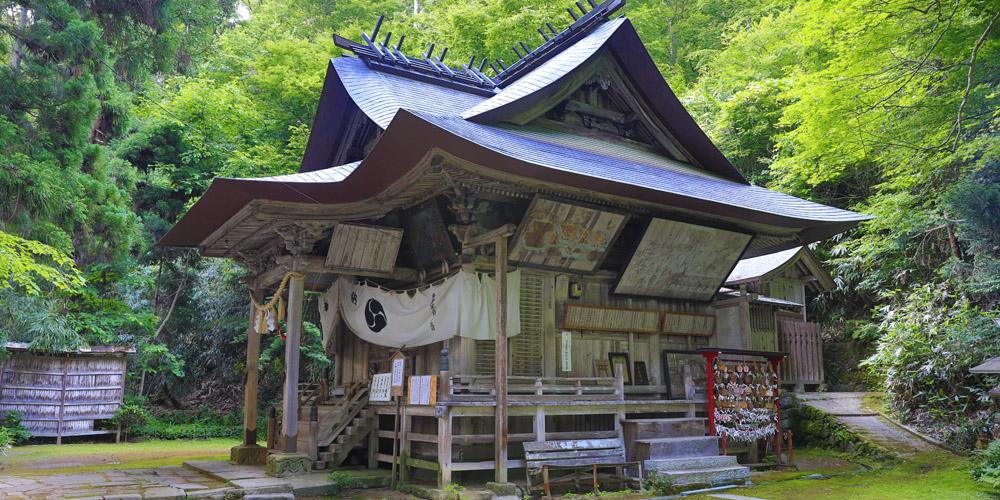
<point>490,236</point>
<point>500,380</point>
<point>290,413</point>
<point>315,264</point>
<point>252,374</point>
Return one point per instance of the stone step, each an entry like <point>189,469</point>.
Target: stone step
<point>717,476</point>
<point>646,428</point>
<point>678,447</point>
<point>689,463</point>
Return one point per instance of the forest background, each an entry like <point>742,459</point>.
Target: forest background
<point>115,116</point>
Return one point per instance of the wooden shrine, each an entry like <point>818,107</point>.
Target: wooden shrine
<point>548,238</point>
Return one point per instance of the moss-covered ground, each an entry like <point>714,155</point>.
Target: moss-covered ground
<point>53,459</point>
<point>938,476</point>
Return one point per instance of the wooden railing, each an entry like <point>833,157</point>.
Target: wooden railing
<point>481,388</point>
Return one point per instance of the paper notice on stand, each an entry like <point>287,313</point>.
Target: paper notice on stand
<point>567,351</point>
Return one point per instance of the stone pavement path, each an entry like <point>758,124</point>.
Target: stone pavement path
<point>161,483</point>
<point>847,408</point>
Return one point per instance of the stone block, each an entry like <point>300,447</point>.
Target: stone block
<point>502,489</point>
<point>265,485</point>
<point>190,486</point>
<point>212,493</point>
<point>163,493</point>
<point>288,464</point>
<point>248,455</point>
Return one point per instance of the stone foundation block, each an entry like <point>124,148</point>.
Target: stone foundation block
<point>288,464</point>
<point>253,454</point>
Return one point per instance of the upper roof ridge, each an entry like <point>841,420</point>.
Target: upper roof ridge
<point>468,77</point>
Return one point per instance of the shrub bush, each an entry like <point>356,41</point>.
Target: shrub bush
<point>15,433</point>
<point>932,337</point>
<point>988,469</point>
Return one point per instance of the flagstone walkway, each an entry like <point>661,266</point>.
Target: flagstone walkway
<point>195,479</point>
<point>848,408</point>
<point>160,483</point>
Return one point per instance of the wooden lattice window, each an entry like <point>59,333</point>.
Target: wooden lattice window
<point>526,358</point>
<point>763,332</point>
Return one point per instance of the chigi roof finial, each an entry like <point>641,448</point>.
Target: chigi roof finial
<point>383,56</point>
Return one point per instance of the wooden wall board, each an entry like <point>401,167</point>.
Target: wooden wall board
<point>610,319</point>
<point>359,248</point>
<point>689,324</point>
<point>566,236</point>
<point>681,261</point>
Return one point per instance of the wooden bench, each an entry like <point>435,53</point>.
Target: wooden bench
<point>541,457</point>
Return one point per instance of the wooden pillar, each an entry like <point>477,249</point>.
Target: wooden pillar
<point>404,446</point>
<point>373,443</point>
<point>290,410</point>
<point>252,374</point>
<point>313,442</point>
<point>746,331</point>
<point>620,389</point>
<point>63,362</point>
<point>500,379</point>
<point>539,426</point>
<point>444,445</point>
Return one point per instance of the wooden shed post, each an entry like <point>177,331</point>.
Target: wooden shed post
<point>249,452</point>
<point>252,374</point>
<point>290,410</point>
<point>500,373</point>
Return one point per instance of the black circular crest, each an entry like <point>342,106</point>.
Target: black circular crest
<point>375,315</point>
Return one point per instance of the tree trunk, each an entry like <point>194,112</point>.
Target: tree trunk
<point>18,49</point>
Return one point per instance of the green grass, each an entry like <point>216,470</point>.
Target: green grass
<point>52,459</point>
<point>932,475</point>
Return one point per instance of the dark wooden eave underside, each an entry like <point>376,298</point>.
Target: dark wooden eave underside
<point>391,176</point>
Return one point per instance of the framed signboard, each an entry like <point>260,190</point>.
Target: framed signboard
<point>381,388</point>
<point>689,324</point>
<point>364,250</point>
<point>620,359</point>
<point>677,260</point>
<point>565,236</point>
<point>610,319</point>
<point>641,375</point>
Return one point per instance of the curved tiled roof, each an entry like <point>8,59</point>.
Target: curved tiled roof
<point>418,114</point>
<point>681,179</point>
<point>380,95</point>
<point>755,267</point>
<point>549,72</point>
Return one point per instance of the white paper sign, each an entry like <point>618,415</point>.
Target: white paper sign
<point>381,387</point>
<point>397,371</point>
<point>567,351</point>
<point>420,390</point>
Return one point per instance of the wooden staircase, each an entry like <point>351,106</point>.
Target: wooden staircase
<point>678,448</point>
<point>344,424</point>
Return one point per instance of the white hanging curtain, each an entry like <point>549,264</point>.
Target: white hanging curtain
<point>463,304</point>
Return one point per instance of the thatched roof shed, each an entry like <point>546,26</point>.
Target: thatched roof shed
<point>62,393</point>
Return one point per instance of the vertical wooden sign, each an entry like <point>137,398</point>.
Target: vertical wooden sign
<point>398,364</point>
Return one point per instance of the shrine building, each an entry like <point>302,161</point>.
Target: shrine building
<point>549,246</point>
